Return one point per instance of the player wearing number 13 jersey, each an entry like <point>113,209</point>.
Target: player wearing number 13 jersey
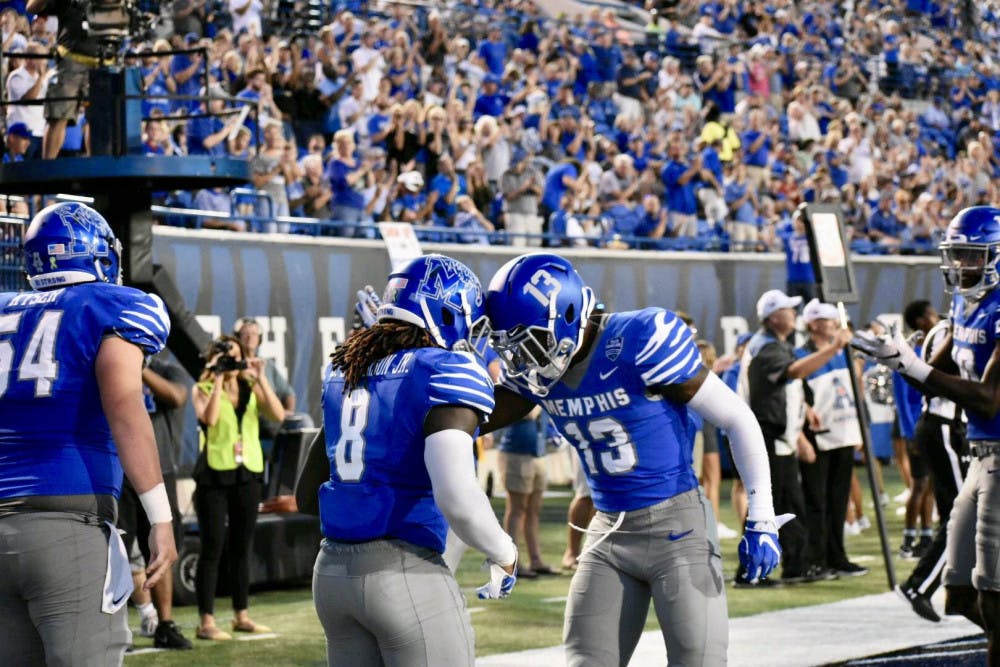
<point>71,355</point>
<point>966,370</point>
<point>401,401</point>
<point>619,386</point>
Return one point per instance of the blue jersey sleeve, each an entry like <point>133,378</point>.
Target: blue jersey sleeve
<point>139,318</point>
<point>458,378</point>
<point>669,355</point>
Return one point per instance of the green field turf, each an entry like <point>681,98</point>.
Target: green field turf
<point>531,618</point>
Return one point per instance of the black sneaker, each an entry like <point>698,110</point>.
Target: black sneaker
<point>168,635</point>
<point>922,546</point>
<point>763,582</point>
<point>851,570</point>
<point>921,604</point>
<point>907,551</point>
<point>819,573</point>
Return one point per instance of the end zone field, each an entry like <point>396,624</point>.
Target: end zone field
<point>532,617</point>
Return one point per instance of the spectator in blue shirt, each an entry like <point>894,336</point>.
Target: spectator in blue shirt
<point>493,51</point>
<point>587,69</point>
<point>561,178</point>
<point>757,144</point>
<point>679,179</point>
<point>18,141</point>
<point>883,226</point>
<point>207,134</point>
<point>564,102</point>
<point>186,69</point>
<point>608,57</point>
<point>445,189</point>
<point>741,198</point>
<point>652,223</point>
<point>799,277</point>
<point>347,174</point>
<point>491,102</point>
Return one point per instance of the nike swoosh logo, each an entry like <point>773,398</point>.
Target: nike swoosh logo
<point>673,537</point>
<point>767,540</point>
<point>115,603</point>
<point>605,376</point>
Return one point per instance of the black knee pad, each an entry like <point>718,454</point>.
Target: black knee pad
<point>989,607</point>
<point>963,601</point>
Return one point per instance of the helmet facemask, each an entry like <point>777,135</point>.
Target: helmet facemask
<point>535,354</point>
<point>970,269</point>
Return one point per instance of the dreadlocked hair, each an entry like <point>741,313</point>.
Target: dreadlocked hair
<point>366,346</point>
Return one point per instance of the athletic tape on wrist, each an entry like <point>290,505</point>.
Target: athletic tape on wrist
<point>156,504</point>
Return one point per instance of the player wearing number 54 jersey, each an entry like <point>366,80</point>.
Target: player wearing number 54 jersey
<point>401,401</point>
<point>619,386</point>
<point>71,356</point>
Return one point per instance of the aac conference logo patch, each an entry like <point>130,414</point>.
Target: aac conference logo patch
<point>613,348</point>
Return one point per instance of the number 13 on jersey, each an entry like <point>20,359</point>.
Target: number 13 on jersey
<point>617,459</point>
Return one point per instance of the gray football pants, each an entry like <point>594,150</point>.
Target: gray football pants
<point>52,568</point>
<point>973,550</point>
<point>668,552</point>
<point>388,602</point>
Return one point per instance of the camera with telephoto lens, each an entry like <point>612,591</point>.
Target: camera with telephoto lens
<point>110,22</point>
<point>226,362</point>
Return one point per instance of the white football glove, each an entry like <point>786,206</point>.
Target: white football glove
<point>367,306</point>
<point>500,584</point>
<point>893,352</point>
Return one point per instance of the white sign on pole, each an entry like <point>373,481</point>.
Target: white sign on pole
<point>400,241</point>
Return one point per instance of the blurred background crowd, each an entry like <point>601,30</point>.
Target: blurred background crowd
<point>680,125</point>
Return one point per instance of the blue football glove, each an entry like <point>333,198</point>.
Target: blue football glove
<point>759,550</point>
<point>367,306</point>
<point>500,584</point>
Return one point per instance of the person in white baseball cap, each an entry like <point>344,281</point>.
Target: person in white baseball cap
<point>775,300</point>
<point>769,376</point>
<point>817,310</point>
<point>826,475</point>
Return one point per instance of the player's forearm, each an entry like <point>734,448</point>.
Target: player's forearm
<point>315,471</point>
<point>718,404</point>
<point>980,398</point>
<point>133,435</point>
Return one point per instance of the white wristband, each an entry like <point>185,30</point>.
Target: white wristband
<point>918,370</point>
<point>156,504</point>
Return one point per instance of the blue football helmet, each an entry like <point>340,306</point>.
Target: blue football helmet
<point>970,252</point>
<point>538,308</point>
<point>441,295</point>
<point>70,243</point>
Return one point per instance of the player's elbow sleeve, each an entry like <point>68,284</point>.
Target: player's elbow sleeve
<point>448,457</point>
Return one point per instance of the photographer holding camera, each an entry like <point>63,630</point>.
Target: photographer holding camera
<point>232,391</point>
<point>77,53</point>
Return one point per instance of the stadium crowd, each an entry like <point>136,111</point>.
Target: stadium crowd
<point>704,128</point>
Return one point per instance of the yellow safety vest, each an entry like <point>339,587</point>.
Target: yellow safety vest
<point>221,440</point>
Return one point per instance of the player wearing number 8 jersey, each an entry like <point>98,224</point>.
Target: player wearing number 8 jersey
<point>71,355</point>
<point>619,386</point>
<point>401,401</point>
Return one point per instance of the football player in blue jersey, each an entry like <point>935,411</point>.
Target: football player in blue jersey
<point>401,402</point>
<point>71,357</point>
<point>967,371</point>
<point>619,387</point>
